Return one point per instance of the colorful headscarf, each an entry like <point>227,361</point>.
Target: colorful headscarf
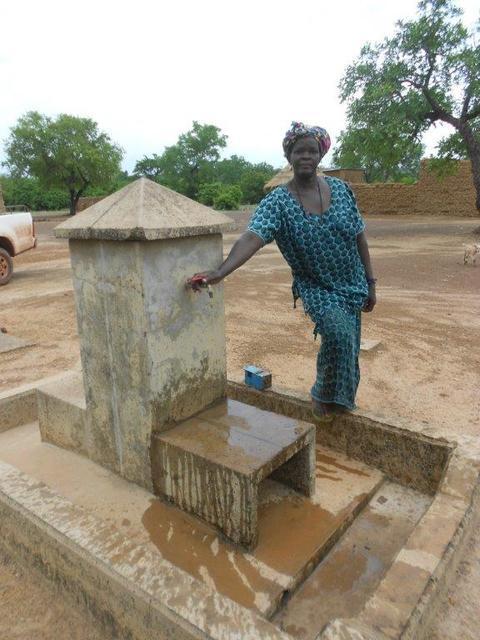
<point>301,130</point>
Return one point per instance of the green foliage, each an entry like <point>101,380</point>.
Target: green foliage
<point>122,179</point>
<point>118,182</point>
<point>385,157</point>
<point>186,164</point>
<point>208,192</point>
<point>67,153</point>
<point>253,181</point>
<point>228,198</point>
<point>29,192</point>
<point>407,180</point>
<point>149,167</point>
<point>231,170</point>
<point>429,71</point>
<point>194,162</point>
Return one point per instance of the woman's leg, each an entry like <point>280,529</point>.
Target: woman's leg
<point>338,373</point>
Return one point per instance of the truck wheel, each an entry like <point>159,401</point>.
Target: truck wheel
<point>6,266</point>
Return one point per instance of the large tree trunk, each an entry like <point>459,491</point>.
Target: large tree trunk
<point>73,202</point>
<point>77,198</point>
<point>74,198</point>
<point>473,151</point>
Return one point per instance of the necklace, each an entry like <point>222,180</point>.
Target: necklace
<point>300,197</point>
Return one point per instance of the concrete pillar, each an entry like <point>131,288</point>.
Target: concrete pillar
<point>153,352</point>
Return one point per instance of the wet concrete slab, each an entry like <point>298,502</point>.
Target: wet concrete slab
<point>295,532</point>
<point>238,436</point>
<point>212,464</point>
<point>350,574</point>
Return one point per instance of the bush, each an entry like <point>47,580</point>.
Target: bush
<point>228,198</point>
<point>208,192</point>
<point>27,191</point>
<point>54,200</point>
<point>252,184</point>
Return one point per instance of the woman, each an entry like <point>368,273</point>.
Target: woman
<point>318,228</point>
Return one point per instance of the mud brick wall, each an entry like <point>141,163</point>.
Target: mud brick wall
<point>2,204</point>
<point>350,175</point>
<point>452,195</point>
<point>84,203</point>
<point>386,198</point>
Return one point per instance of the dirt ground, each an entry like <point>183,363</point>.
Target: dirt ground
<point>31,610</point>
<point>427,367</point>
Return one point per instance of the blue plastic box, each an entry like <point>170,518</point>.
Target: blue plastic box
<point>257,378</point>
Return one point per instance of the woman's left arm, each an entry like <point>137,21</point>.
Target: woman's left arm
<point>362,245</point>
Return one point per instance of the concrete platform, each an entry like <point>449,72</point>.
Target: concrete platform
<point>212,464</point>
<point>145,569</point>
<point>295,533</point>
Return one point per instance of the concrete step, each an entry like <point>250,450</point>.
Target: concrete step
<point>343,582</point>
<point>68,389</point>
<point>61,408</point>
<point>212,464</point>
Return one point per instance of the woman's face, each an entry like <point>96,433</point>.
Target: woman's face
<point>305,156</point>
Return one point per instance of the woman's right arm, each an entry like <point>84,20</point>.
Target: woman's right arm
<point>243,249</point>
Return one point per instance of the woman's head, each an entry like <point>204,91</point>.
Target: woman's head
<point>300,135</point>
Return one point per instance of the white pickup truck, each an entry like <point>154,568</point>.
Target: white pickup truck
<point>17,234</point>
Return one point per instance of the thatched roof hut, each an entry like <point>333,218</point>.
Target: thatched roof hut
<point>282,177</point>
<point>286,174</point>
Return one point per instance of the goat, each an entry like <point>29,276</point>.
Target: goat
<point>472,251</point>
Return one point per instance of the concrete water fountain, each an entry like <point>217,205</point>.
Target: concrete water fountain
<point>175,503</point>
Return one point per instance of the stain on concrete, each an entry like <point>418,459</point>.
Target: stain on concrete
<point>343,581</point>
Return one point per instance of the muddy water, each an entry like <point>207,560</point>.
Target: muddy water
<point>294,534</point>
<point>326,463</point>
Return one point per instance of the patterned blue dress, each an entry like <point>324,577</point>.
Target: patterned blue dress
<point>328,276</point>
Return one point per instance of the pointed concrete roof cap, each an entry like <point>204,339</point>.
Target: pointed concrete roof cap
<point>144,210</point>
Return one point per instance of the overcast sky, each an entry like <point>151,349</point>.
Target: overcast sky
<point>144,71</point>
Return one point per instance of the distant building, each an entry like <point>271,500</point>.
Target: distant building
<point>286,174</point>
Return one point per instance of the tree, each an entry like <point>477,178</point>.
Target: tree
<point>193,167</point>
<point>428,72</point>
<point>149,167</point>
<point>228,198</point>
<point>64,153</point>
<point>253,181</point>
<point>385,158</point>
<point>231,170</point>
<point>188,163</point>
